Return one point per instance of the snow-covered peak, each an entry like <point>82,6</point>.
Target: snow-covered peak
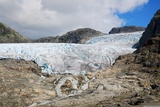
<point>97,53</point>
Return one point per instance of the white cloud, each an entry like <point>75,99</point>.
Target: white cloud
<point>37,18</point>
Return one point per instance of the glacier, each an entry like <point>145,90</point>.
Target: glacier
<point>97,53</point>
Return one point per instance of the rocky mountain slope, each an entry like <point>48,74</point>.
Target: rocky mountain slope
<point>76,36</point>
<point>153,29</point>
<point>8,35</point>
<point>126,29</point>
<point>143,67</point>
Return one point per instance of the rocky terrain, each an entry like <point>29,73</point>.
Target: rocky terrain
<point>133,80</point>
<point>126,29</point>
<point>8,35</point>
<point>76,36</point>
<point>142,68</point>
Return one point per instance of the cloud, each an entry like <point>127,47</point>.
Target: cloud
<point>37,18</point>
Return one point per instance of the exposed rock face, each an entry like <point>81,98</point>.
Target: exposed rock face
<point>8,35</point>
<point>76,36</point>
<point>126,29</point>
<point>153,29</point>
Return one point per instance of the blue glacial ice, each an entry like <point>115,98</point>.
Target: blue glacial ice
<point>98,53</point>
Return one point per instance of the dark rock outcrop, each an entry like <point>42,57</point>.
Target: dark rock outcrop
<point>49,39</point>
<point>8,35</point>
<point>76,36</point>
<point>126,29</point>
<point>153,29</point>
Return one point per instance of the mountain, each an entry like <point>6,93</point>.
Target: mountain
<point>126,29</point>
<point>76,36</point>
<point>8,35</point>
<point>79,36</point>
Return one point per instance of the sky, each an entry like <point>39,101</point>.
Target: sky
<point>41,18</point>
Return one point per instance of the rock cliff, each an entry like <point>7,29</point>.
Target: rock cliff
<point>152,30</point>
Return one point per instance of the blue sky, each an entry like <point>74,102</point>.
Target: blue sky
<point>142,15</point>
